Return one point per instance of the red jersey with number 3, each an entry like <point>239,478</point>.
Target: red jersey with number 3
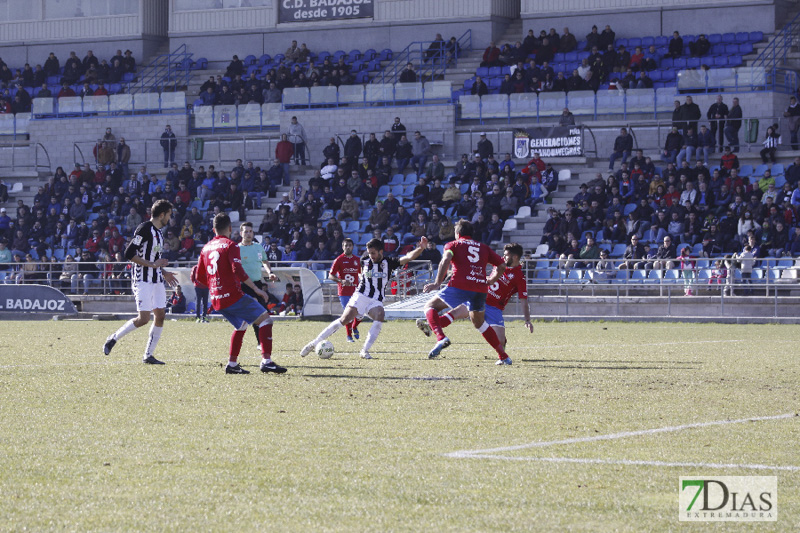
<point>220,269</point>
<point>512,281</point>
<point>344,267</point>
<point>469,260</point>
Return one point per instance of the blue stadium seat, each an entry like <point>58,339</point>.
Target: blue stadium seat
<point>264,59</point>
<point>667,62</point>
<point>756,36</point>
<point>618,250</point>
<point>745,48</point>
<point>742,37</point>
<point>735,61</point>
<point>386,54</point>
<point>679,63</point>
<point>397,179</point>
<point>759,170</point>
<point>718,49</point>
<point>370,54</point>
<point>746,171</point>
<point>721,61</point>
<point>777,169</point>
<point>542,276</point>
<point>693,62</point>
<point>411,178</point>
<point>731,49</point>
<point>633,42</point>
<point>355,55</point>
<point>397,190</point>
<point>383,190</point>
<point>648,41</point>
<point>672,275</point>
<point>728,38</point>
<point>715,38</point>
<point>780,181</point>
<point>662,40</point>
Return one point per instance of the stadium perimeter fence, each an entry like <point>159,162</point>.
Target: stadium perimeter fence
<point>554,280</point>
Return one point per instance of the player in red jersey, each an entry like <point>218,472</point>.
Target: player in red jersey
<point>220,269</point>
<point>344,271</point>
<point>500,292</point>
<point>468,285</point>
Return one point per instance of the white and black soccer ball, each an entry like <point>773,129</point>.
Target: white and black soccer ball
<point>324,349</point>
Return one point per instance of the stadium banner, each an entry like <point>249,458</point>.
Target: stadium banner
<point>34,299</point>
<point>548,141</point>
<point>320,10</point>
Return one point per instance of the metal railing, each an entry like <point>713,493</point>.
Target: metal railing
<point>547,107</point>
<point>427,67</point>
<point>41,158</point>
<point>167,71</point>
<point>775,53</point>
<point>218,150</point>
<point>436,138</point>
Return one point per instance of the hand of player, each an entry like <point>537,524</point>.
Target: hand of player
<point>261,294</point>
<point>169,278</point>
<point>272,277</point>
<point>430,287</point>
<point>347,283</point>
<point>161,263</point>
<point>423,242</point>
<point>529,326</point>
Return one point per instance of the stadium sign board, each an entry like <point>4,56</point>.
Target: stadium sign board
<point>548,141</point>
<point>320,10</point>
<point>38,299</point>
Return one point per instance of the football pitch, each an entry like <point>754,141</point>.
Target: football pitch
<point>589,430</point>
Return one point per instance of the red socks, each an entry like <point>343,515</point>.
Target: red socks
<point>445,320</point>
<point>236,344</point>
<point>349,328</point>
<point>491,337</point>
<point>356,322</point>
<point>265,336</point>
<point>434,322</point>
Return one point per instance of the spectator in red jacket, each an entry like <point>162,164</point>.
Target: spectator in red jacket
<point>66,90</point>
<point>283,153</point>
<point>491,56</point>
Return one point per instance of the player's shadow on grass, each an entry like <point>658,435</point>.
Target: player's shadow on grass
<point>584,366</point>
<point>607,361</point>
<point>386,378</point>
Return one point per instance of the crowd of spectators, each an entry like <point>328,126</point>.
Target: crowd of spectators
<point>357,185</point>
<point>654,212</point>
<point>86,217</point>
<point>553,62</point>
<point>264,84</point>
<point>77,77</point>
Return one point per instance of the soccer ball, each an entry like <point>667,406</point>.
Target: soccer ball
<point>324,349</point>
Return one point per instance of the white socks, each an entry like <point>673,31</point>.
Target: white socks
<point>332,328</point>
<point>152,341</point>
<point>372,336</point>
<point>126,328</point>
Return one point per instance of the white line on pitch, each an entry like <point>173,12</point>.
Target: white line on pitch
<point>612,436</point>
<point>630,462</point>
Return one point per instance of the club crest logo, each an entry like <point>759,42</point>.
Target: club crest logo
<point>521,143</point>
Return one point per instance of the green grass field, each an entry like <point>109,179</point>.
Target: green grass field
<point>96,443</point>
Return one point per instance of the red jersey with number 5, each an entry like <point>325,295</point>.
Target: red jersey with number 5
<point>501,291</point>
<point>469,260</point>
<point>344,267</point>
<point>220,269</point>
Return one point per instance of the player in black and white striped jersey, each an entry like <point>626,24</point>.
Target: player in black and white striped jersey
<point>375,276</point>
<point>148,280</point>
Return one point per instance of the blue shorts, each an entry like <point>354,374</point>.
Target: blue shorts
<point>344,300</point>
<point>246,310</point>
<point>475,301</point>
<point>494,316</point>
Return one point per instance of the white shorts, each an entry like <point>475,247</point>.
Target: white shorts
<point>363,304</point>
<point>149,296</point>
